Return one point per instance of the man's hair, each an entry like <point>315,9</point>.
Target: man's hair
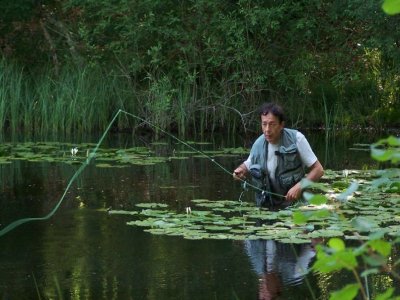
<point>274,109</point>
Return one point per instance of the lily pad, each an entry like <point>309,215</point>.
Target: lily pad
<point>151,205</point>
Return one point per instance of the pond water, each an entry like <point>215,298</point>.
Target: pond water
<point>83,252</point>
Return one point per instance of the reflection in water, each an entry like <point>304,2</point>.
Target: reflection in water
<point>278,264</point>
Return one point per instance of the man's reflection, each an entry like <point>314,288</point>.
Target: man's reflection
<point>278,264</point>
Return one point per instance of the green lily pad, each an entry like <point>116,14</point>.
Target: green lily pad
<point>123,212</point>
<point>151,205</point>
<point>217,228</point>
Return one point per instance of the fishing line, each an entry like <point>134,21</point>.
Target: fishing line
<point>19,222</point>
<point>244,182</point>
<point>91,155</point>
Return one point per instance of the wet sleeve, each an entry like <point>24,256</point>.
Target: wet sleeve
<point>306,153</point>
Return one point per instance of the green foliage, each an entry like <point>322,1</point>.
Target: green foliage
<point>349,292</point>
<point>209,64</point>
<point>12,11</point>
<point>334,261</point>
<point>373,254</point>
<point>391,7</point>
<point>386,150</point>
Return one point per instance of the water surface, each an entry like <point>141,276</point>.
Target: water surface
<point>82,252</point>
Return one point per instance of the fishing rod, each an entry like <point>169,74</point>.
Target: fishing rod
<point>92,154</point>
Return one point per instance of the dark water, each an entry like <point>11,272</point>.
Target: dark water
<point>84,253</point>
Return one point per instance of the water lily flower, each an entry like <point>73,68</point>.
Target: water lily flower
<point>74,151</point>
<point>188,210</point>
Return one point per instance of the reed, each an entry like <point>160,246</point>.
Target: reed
<point>84,99</point>
<point>3,96</point>
<point>76,101</point>
<point>12,91</point>
<point>182,108</point>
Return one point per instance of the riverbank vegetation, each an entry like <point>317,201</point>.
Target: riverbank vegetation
<point>198,66</point>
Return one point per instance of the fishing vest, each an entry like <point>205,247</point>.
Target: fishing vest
<point>289,168</point>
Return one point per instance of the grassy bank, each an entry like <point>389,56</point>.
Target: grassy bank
<point>85,99</point>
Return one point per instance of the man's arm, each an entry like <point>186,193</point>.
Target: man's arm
<point>315,173</point>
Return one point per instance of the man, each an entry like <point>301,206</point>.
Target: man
<point>278,159</point>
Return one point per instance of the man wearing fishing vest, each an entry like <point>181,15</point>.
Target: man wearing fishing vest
<point>277,161</point>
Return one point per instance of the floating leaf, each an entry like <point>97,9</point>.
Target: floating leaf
<point>299,217</point>
<point>294,241</point>
<point>325,233</point>
<point>308,184</point>
<point>363,224</point>
<point>315,199</point>
<point>122,212</point>
<point>151,205</point>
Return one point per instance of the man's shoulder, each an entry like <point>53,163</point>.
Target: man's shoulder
<point>259,140</point>
<point>294,133</point>
<point>291,131</point>
<point>258,144</point>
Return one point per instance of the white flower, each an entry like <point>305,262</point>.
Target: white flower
<point>74,151</point>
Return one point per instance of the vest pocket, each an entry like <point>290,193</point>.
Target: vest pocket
<point>290,161</point>
<point>288,180</point>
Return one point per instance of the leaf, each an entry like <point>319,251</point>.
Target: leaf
<point>320,214</point>
<point>363,224</point>
<point>307,183</point>
<point>370,271</point>
<point>392,140</point>
<point>375,260</point>
<point>336,244</point>
<point>386,295</point>
<point>325,233</point>
<point>299,217</point>
<point>316,199</point>
<point>334,262</point>
<point>122,212</point>
<point>378,234</point>
<point>381,247</point>
<point>217,228</point>
<point>349,292</point>
<point>381,154</point>
<point>350,190</point>
<point>391,7</point>
<point>391,152</point>
<point>151,205</point>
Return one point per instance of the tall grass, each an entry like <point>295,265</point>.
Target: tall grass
<point>83,100</point>
<point>77,100</point>
<point>3,97</point>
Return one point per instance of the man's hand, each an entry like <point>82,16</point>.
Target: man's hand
<point>240,172</point>
<point>315,173</point>
<point>294,193</point>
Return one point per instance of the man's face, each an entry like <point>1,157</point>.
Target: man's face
<point>271,127</point>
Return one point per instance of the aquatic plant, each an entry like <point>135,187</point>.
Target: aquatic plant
<point>373,255</point>
<point>347,205</point>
